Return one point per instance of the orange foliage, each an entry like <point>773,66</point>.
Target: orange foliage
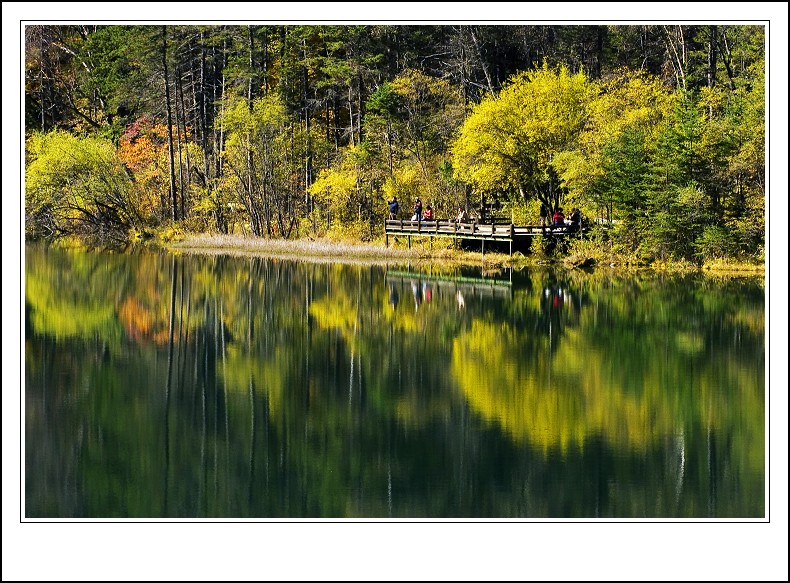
<point>141,324</point>
<point>136,319</point>
<point>143,150</point>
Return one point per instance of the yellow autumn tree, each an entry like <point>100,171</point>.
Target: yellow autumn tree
<point>76,185</point>
<point>627,101</point>
<point>509,141</point>
<point>346,192</point>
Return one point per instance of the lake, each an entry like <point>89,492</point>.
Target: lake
<point>166,386</point>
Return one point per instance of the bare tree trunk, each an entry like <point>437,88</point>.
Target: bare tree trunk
<point>461,60</point>
<point>169,127</point>
<point>185,195</point>
<point>250,162</point>
<point>336,127</point>
<point>482,60</point>
<point>351,112</point>
<point>712,58</point>
<point>389,146</point>
<point>599,50</point>
<point>726,57</point>
<point>677,50</point>
<point>179,116</point>
<point>41,81</point>
<point>201,136</point>
<point>308,167</point>
<point>251,80</point>
<point>201,106</point>
<point>219,145</point>
<point>360,105</point>
<point>265,62</point>
<point>215,127</point>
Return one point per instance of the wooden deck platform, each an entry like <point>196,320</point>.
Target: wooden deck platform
<point>492,231</point>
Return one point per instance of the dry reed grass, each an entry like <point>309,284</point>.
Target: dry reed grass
<point>316,250</point>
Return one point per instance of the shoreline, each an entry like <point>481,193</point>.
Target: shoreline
<point>326,251</point>
<point>333,251</point>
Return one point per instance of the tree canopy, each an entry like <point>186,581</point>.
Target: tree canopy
<point>288,130</point>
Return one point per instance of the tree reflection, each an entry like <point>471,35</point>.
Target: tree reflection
<point>300,390</point>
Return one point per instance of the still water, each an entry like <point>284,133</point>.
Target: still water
<point>167,386</point>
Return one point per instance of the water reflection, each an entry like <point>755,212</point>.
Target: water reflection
<point>394,296</point>
<point>172,386</point>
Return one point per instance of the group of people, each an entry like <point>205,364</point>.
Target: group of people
<point>422,215</point>
<point>558,218</point>
<point>547,218</point>
<point>425,293</point>
<point>418,213</point>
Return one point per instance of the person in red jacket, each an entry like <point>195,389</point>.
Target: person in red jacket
<point>559,217</point>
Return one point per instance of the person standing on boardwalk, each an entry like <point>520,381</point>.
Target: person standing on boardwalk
<point>393,205</point>
<point>545,213</point>
<point>576,219</point>
<point>461,216</point>
<point>428,216</point>
<point>417,209</point>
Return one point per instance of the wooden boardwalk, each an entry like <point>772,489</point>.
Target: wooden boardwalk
<point>493,231</point>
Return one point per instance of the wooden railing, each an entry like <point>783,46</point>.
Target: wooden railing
<point>482,232</point>
<point>473,229</point>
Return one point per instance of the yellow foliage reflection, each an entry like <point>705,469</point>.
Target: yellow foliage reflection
<point>558,401</point>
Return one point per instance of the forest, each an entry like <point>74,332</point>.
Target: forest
<point>656,132</point>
